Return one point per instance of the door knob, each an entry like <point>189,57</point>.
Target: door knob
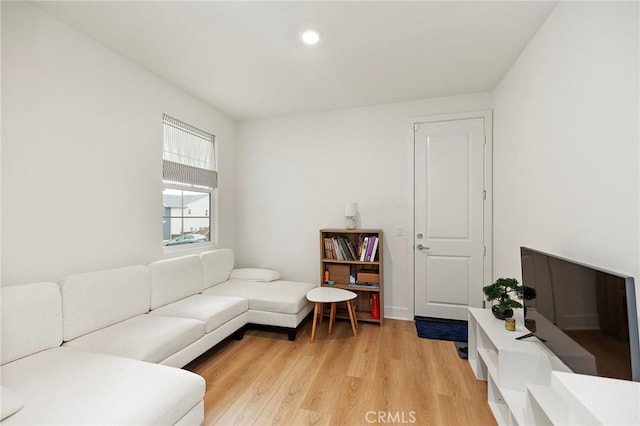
<point>421,247</point>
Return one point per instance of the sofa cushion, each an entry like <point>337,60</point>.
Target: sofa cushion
<point>95,300</point>
<point>254,274</point>
<point>10,402</point>
<point>217,266</point>
<point>212,310</point>
<point>285,297</point>
<point>150,338</point>
<point>68,387</point>
<point>175,279</point>
<point>31,319</point>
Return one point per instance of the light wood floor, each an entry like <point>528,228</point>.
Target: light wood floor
<point>385,375</point>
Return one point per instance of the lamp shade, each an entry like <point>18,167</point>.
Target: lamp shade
<point>350,209</point>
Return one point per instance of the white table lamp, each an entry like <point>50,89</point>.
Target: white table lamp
<point>350,212</point>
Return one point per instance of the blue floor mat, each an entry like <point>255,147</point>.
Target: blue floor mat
<point>442,329</point>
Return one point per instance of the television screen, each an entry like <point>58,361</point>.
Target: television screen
<point>585,315</point>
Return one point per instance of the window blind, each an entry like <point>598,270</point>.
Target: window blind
<point>188,155</point>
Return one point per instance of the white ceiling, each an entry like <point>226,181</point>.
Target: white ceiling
<point>244,58</point>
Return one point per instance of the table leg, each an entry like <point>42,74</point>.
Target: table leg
<point>315,320</point>
<point>321,312</point>
<point>351,317</point>
<point>332,316</point>
<point>355,314</point>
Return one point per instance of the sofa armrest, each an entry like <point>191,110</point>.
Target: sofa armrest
<point>254,274</point>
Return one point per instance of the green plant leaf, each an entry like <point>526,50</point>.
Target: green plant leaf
<point>501,290</point>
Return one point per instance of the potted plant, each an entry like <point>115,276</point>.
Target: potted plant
<point>502,290</point>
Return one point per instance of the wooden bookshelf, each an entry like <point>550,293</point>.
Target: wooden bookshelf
<point>350,242</point>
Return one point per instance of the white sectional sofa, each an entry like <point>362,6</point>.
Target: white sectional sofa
<point>278,304</point>
<point>99,347</point>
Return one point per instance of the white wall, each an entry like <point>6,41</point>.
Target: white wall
<point>0,151</point>
<point>81,145</point>
<point>82,152</point>
<point>295,174</point>
<point>566,142</point>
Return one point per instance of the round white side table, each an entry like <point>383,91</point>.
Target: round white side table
<point>322,295</point>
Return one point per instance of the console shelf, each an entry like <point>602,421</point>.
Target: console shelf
<point>529,385</point>
<point>507,364</point>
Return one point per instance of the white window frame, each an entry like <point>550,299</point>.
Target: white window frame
<point>211,191</point>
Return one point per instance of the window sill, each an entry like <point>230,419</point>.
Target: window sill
<point>194,248</point>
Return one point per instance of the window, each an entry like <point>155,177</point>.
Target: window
<point>190,181</point>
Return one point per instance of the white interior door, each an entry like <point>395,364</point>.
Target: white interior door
<point>449,245</point>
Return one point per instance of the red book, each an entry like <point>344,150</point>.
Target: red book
<point>375,307</point>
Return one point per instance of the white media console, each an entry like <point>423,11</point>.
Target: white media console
<point>528,385</point>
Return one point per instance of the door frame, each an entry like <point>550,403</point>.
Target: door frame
<point>487,115</point>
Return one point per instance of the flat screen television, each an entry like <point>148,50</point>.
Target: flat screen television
<point>585,315</point>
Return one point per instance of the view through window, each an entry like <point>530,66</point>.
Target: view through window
<point>190,180</point>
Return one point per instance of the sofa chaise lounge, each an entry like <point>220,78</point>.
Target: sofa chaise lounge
<point>99,347</point>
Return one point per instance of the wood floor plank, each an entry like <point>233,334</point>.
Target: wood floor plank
<point>384,375</point>
<point>331,371</point>
<point>367,347</point>
<point>389,365</point>
<point>420,380</point>
<point>455,411</point>
<point>284,405</point>
<point>354,401</point>
<point>450,380</point>
<point>311,418</point>
<point>244,367</point>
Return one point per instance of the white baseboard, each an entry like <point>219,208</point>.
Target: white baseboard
<point>393,312</point>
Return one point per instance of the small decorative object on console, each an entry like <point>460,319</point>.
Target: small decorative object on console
<point>501,290</point>
<point>510,324</point>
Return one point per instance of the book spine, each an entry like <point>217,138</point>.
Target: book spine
<point>336,248</point>
<point>367,258</point>
<point>364,249</point>
<point>352,250</point>
<point>331,251</point>
<point>345,253</point>
<point>360,244</point>
<point>345,249</point>
<point>327,248</point>
<point>373,251</point>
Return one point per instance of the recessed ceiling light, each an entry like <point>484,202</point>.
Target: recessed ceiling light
<point>310,37</point>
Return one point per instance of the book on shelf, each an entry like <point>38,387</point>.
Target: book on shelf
<point>328,249</point>
<point>352,250</point>
<point>369,247</point>
<point>342,248</point>
<point>337,248</point>
<point>343,255</point>
<point>336,251</point>
<point>373,251</point>
<point>363,250</point>
<point>375,307</point>
<point>365,285</point>
<point>372,243</point>
<point>345,248</point>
